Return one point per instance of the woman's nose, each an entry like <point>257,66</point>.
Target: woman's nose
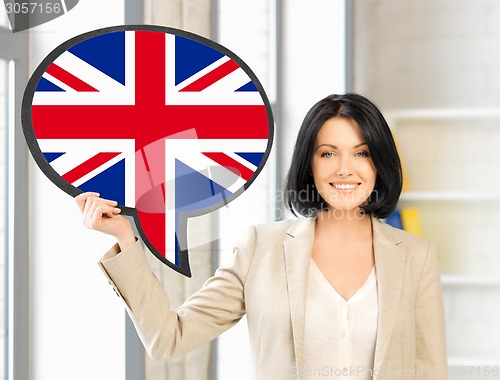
<point>344,167</point>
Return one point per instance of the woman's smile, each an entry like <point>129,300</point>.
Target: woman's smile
<point>345,187</point>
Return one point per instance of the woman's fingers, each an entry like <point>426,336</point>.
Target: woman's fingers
<point>102,215</point>
<point>98,210</point>
<point>94,209</point>
<point>81,199</point>
<point>96,218</point>
<point>85,200</point>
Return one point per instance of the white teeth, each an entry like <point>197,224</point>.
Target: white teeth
<point>345,186</point>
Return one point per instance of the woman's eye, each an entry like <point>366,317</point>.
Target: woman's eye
<point>362,154</point>
<point>327,154</point>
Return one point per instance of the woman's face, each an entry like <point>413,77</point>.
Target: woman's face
<point>342,167</point>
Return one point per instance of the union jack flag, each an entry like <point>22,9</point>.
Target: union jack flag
<point>163,121</point>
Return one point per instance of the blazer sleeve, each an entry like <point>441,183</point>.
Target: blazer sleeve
<point>431,356</point>
<point>164,332</point>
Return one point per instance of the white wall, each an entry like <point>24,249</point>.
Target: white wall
<point>76,320</point>
<point>428,53</point>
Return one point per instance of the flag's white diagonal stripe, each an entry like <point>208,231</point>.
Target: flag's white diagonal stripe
<point>110,92</point>
<point>87,73</point>
<point>242,161</point>
<point>99,170</point>
<point>220,96</point>
<point>202,72</point>
<point>230,82</point>
<point>57,82</point>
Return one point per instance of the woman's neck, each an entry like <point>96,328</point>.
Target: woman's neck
<point>346,222</point>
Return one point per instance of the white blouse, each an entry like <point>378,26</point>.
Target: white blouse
<point>340,335</point>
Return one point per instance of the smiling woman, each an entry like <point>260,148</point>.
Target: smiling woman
<point>342,289</point>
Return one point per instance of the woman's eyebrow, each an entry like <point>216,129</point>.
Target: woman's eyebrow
<point>335,147</point>
<point>359,145</point>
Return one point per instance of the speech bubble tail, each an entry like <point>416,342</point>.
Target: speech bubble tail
<point>182,264</point>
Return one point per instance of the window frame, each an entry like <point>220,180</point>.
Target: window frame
<point>15,49</point>
<point>134,350</point>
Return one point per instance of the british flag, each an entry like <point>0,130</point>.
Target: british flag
<point>165,122</point>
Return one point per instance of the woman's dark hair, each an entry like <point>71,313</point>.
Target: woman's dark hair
<point>300,193</point>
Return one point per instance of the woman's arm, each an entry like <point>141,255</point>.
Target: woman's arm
<point>165,332</point>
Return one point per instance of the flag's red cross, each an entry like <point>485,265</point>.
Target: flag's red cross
<point>151,119</point>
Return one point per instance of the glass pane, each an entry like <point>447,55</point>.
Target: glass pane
<point>4,21</point>
<point>3,206</point>
<point>248,37</point>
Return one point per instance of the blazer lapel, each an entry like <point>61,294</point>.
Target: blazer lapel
<point>389,260</point>
<point>297,251</point>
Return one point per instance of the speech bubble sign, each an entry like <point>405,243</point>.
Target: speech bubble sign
<point>170,124</point>
<point>28,14</point>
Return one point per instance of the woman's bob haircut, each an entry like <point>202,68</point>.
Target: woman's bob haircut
<point>300,193</point>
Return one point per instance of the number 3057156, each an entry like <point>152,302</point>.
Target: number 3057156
<point>33,8</point>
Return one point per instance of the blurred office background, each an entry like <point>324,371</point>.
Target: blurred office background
<point>433,67</point>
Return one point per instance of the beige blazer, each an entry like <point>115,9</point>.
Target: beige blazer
<point>266,280</point>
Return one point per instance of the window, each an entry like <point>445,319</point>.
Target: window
<point>3,208</point>
<point>13,206</point>
<point>4,22</point>
<point>254,38</point>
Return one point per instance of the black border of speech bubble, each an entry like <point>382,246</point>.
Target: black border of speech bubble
<point>27,123</point>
